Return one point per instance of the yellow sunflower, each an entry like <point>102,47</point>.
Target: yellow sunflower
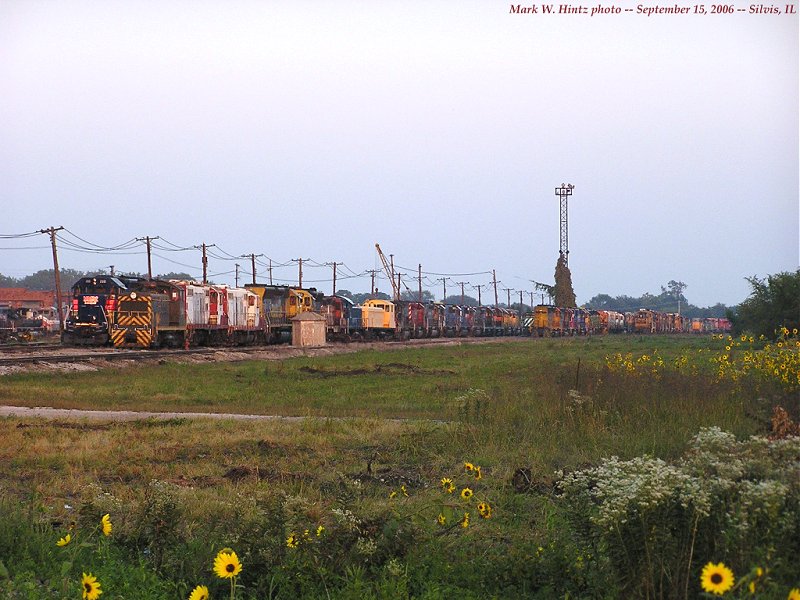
<point>465,520</point>
<point>477,472</point>
<point>320,529</point>
<point>716,579</point>
<point>466,493</point>
<point>292,541</point>
<point>199,593</point>
<point>468,466</point>
<point>105,523</point>
<point>227,565</point>
<point>91,587</point>
<point>64,540</point>
<point>485,510</point>
<point>441,519</point>
<point>794,594</point>
<point>448,485</point>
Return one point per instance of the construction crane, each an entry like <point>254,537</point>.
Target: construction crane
<point>389,275</point>
<point>388,271</point>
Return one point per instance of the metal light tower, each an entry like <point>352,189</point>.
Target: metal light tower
<point>563,193</point>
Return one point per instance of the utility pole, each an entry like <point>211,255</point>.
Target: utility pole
<point>237,275</point>
<point>479,293</point>
<point>270,271</point>
<point>52,232</point>
<point>111,269</point>
<point>252,264</point>
<point>420,282</point>
<point>205,261</point>
<point>372,289</point>
<point>299,261</point>
<point>148,239</point>
<point>391,260</point>
<point>508,290</point>
<point>531,293</point>
<point>444,288</point>
<point>520,304</point>
<point>461,283</point>
<point>334,279</point>
<point>563,193</point>
<point>494,281</point>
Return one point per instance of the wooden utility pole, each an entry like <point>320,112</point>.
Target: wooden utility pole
<point>334,278</point>
<point>147,239</point>
<point>531,293</point>
<point>253,264</point>
<point>237,275</point>
<point>494,280</point>
<point>372,289</point>
<point>299,261</point>
<point>204,246</point>
<point>270,271</point>
<point>461,283</point>
<point>52,232</point>
<point>391,260</point>
<point>444,288</point>
<point>420,282</point>
<point>479,293</point>
<point>508,291</point>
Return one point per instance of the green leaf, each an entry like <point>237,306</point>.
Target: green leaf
<point>66,567</point>
<point>3,571</point>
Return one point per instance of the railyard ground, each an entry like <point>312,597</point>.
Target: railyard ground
<point>371,421</point>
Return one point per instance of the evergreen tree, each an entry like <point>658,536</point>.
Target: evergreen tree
<point>564,294</point>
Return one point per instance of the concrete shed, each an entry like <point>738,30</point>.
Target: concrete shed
<point>308,329</point>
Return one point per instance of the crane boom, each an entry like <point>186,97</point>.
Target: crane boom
<point>388,272</point>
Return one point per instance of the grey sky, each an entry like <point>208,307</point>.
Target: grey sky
<point>437,128</point>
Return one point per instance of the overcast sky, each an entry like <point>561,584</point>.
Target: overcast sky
<point>438,129</point>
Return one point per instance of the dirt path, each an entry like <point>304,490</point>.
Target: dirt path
<point>128,415</point>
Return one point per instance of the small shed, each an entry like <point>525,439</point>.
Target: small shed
<point>308,329</point>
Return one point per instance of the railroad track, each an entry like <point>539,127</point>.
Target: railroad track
<point>28,347</point>
<point>107,355</point>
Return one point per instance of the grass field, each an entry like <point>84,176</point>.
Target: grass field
<point>179,491</point>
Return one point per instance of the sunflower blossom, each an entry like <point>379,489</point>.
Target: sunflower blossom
<point>91,587</point>
<point>105,523</point>
<point>227,565</point>
<point>466,493</point>
<point>716,579</point>
<point>64,540</point>
<point>199,593</point>
<point>794,594</point>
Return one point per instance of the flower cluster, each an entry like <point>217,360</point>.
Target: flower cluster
<point>651,513</point>
<point>89,583</point>
<point>455,514</point>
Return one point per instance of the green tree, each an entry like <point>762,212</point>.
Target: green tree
<point>773,303</point>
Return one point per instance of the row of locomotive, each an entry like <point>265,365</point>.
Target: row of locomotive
<point>137,312</point>
<point>554,321</point>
